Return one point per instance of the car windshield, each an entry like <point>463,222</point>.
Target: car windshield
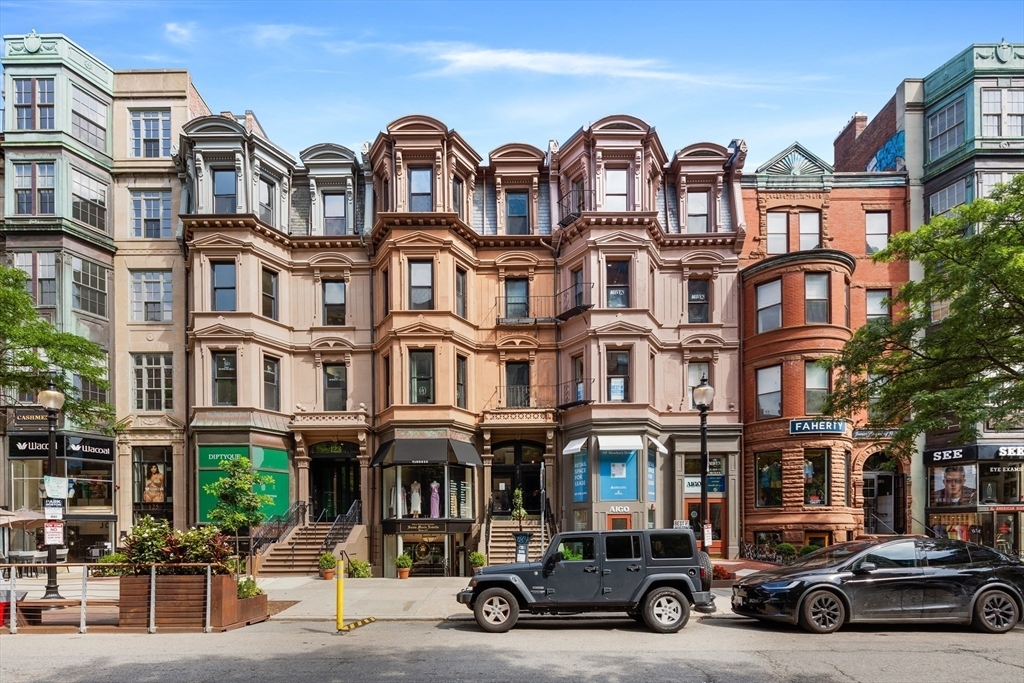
<point>833,554</point>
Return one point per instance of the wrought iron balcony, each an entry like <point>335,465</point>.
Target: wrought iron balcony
<point>575,300</point>
<point>573,203</point>
<point>525,310</point>
<point>575,392</point>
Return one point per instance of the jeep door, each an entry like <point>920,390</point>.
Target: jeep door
<point>577,578</point>
<point>623,569</point>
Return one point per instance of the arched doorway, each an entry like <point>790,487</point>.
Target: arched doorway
<point>516,464</point>
<point>333,478</point>
<point>885,496</point>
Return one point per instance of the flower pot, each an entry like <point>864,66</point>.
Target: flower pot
<point>477,570</point>
<point>328,574</point>
<point>403,572</point>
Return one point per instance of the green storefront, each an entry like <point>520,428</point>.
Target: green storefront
<point>272,462</point>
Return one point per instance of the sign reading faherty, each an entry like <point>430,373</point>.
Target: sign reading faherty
<point>817,426</point>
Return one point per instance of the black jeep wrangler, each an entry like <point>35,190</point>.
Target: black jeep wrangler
<point>652,575</point>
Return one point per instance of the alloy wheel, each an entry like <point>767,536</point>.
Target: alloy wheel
<point>826,612</point>
<point>999,611</point>
<point>667,610</point>
<point>496,610</point>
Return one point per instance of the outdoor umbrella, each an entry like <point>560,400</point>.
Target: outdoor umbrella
<point>23,518</point>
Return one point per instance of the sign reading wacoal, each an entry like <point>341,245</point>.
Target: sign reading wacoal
<point>817,426</point>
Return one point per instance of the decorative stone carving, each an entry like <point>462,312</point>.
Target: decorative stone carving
<point>257,169</point>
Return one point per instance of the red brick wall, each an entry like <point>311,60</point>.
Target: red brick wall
<point>857,144</point>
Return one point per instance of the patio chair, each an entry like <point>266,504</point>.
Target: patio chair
<point>21,558</point>
<point>62,558</point>
<point>38,557</point>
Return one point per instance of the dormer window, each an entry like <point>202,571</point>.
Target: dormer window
<point>615,194</point>
<point>517,214</point>
<point>335,222</point>
<point>224,192</point>
<point>267,202</point>
<point>697,212</point>
<point>420,190</point>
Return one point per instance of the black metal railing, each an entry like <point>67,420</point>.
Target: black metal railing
<point>575,392</point>
<point>573,203</point>
<point>524,310</point>
<point>516,396</point>
<point>341,528</point>
<point>575,300</point>
<point>487,529</point>
<point>278,527</point>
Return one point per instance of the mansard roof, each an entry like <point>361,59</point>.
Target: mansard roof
<point>795,160</point>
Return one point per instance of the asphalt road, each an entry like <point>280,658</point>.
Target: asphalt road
<point>538,649</point>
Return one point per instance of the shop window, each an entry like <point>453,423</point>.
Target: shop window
<point>421,285</point>
<point>581,520</point>
<point>421,190</point>
<point>428,491</point>
<point>816,477</point>
<point>617,290</point>
<point>698,300</point>
<point>954,485</point>
<point>152,482</point>
<point>335,387</point>
<point>769,306</point>
<point>1001,483</point>
<point>769,392</point>
<point>93,485</point>
<point>421,377</point>
<point>618,376</point>
<point>815,387</point>
<point>778,232</point>
<point>334,302</point>
<point>815,298</point>
<point>768,479</point>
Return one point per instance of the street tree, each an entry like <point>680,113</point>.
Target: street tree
<point>238,504</point>
<point>34,352</point>
<point>918,371</point>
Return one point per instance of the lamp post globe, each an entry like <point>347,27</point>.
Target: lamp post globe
<point>703,395</point>
<point>52,400</point>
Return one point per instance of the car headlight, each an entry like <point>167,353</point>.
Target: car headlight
<point>472,582</point>
<point>780,585</point>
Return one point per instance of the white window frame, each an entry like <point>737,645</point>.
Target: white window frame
<point>152,287</point>
<point>810,230</point>
<point>768,296</point>
<point>768,383</point>
<point>816,380</point>
<point>612,200</point>
<point>875,307</point>
<point>93,194</point>
<point>93,129</point>
<point>138,130</point>
<point>692,212</point>
<point>153,372</point>
<point>1002,112</point>
<point>776,240</point>
<point>148,206</point>
<point>87,276</point>
<point>946,129</point>
<point>876,231</point>
<point>944,200</point>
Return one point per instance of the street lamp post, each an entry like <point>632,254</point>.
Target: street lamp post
<point>703,395</point>
<point>52,400</point>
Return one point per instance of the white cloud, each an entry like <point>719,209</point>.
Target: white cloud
<point>179,33</point>
<point>262,34</point>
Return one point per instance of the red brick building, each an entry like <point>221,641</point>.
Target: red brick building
<point>808,281</point>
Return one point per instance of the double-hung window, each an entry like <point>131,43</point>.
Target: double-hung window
<point>41,275</point>
<point>815,387</point>
<point>33,103</point>
<point>222,278</point>
<point>616,193</point>
<point>769,306</point>
<point>225,378</point>
<point>617,290</point>
<point>152,295</point>
<point>778,232</point>
<point>271,383</point>
<point>1002,113</point>
<point>335,222</point>
<point>334,302</point>
<point>335,387</point>
<point>517,298</point>
<point>224,191</point>
<point>266,201</point>
<point>88,119</point>
<point>421,377</point>
<point>876,229</point>
<point>151,215</point>
<point>517,384</point>
<point>89,286</point>
<point>151,134</point>
<point>458,198</point>
<point>618,376</point>
<point>421,185</point>
<point>877,304</point>
<point>421,285</point>
<point>154,385</point>
<point>769,392</point>
<point>810,230</point>
<point>460,381</point>
<point>698,300</point>
<point>517,216</point>
<point>460,292</point>
<point>946,129</point>
<point>577,287</point>
<point>695,372</point>
<point>88,200</point>
<point>696,212</point>
<point>269,294</point>
<point>815,298</point>
<point>33,189</point>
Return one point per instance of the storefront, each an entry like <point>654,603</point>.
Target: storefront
<point>976,493</point>
<point>270,462</point>
<point>88,464</point>
<point>428,505</point>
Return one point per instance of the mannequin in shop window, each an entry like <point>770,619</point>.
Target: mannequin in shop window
<point>435,499</point>
<point>415,504</point>
<point>398,505</point>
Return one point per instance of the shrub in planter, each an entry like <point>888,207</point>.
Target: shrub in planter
<point>477,559</point>
<point>787,550</point>
<point>403,561</point>
<point>359,569</point>
<point>153,541</point>
<point>719,573</point>
<point>247,588</point>
<point>327,561</point>
<point>113,558</point>
<point>808,549</point>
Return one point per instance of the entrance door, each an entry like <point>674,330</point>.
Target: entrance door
<point>885,497</point>
<point>619,522</point>
<point>333,486</point>
<point>516,464</point>
<point>716,515</point>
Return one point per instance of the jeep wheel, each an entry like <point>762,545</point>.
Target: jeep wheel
<point>666,610</point>
<point>496,610</point>
<point>705,563</point>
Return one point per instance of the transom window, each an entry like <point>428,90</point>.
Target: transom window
<point>224,191</point>
<point>88,200</point>
<point>696,212</point>
<point>876,228</point>
<point>778,233</point>
<point>517,221</point>
<point>335,387</point>
<point>89,288</point>
<point>33,103</point>
<point>334,302</point>
<point>946,129</point>
<point>88,119</point>
<point>421,285</point>
<point>618,284</point>
<point>815,387</point>
<point>769,392</point>
<point>421,377</point>
<point>34,189</point>
<point>335,220</point>
<point>769,306</point>
<point>698,300</point>
<point>421,184</point>
<point>151,215</point>
<point>618,376</point>
<point>810,230</point>
<point>815,298</point>
<point>154,385</point>
<point>152,297</point>
<point>151,134</point>
<point>615,189</point>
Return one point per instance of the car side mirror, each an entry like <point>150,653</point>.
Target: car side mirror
<point>866,567</point>
<point>552,561</point>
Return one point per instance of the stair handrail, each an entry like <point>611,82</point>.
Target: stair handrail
<point>278,527</point>
<point>342,527</point>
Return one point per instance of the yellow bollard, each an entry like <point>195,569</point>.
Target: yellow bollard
<point>340,585</point>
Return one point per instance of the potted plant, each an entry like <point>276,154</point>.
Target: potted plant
<point>327,563</point>
<point>403,563</point>
<point>477,560</point>
<point>518,511</point>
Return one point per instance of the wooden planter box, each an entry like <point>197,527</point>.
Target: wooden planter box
<point>181,603</point>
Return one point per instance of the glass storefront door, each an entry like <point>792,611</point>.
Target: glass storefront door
<point>716,516</point>
<point>333,486</point>
<point>516,465</point>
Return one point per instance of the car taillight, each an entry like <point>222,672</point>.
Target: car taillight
<point>703,574</point>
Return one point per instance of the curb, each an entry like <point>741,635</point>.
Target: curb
<point>356,624</point>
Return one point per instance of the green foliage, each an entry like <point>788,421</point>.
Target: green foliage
<point>808,549</point>
<point>33,351</point>
<point>359,569</point>
<point>327,561</point>
<point>967,370</point>
<point>153,541</point>
<point>112,558</point>
<point>569,555</point>
<point>146,542</point>
<point>477,559</point>
<point>247,588</point>
<point>518,511</point>
<point>238,504</point>
<point>786,549</point>
<point>403,561</point>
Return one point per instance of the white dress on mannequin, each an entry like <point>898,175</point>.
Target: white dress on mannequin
<point>414,499</point>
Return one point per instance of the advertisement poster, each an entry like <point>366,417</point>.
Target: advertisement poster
<point>954,485</point>
<point>153,487</point>
<point>617,389</point>
<point>618,475</point>
<point>652,473</point>
<point>580,475</point>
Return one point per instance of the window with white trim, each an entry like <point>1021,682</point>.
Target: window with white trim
<point>946,129</point>
<point>40,270</point>
<point>769,306</point>
<point>618,376</point>
<point>154,385</point>
<point>225,378</point>
<point>421,377</point>
<point>266,201</point>
<point>151,134</point>
<point>89,286</point>
<point>815,387</point>
<point>269,293</point>
<point>152,296</point>
<point>810,230</point>
<point>1002,112</point>
<point>421,185</point>
<point>769,392</point>
<point>697,212</point>
<point>877,304</point>
<point>816,298</point>
<point>945,199</point>
<point>88,200</point>
<point>876,230</point>
<point>421,285</point>
<point>34,189</point>
<point>225,191</point>
<point>335,220</point>
<point>778,232</point>
<point>151,215</point>
<point>335,387</point>
<point>616,189</point>
<point>88,119</point>
<point>334,302</point>
<point>271,383</point>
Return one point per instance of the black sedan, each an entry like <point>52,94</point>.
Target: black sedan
<point>892,581</point>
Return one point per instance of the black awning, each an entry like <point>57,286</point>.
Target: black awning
<point>426,452</point>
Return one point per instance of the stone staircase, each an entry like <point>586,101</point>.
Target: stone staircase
<point>503,541</point>
<point>297,554</point>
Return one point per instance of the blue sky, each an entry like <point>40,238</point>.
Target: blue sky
<point>770,73</point>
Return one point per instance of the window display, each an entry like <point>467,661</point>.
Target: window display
<point>954,485</point>
<point>427,491</point>
<point>1000,483</point>
<point>768,479</point>
<point>964,527</point>
<point>816,477</point>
